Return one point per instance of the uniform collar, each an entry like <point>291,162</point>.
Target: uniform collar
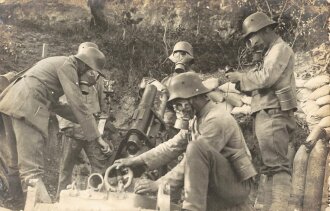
<point>205,110</point>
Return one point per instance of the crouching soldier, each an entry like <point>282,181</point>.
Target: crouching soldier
<point>28,101</point>
<point>73,138</point>
<point>216,171</point>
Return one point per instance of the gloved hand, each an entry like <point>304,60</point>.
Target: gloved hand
<point>107,149</point>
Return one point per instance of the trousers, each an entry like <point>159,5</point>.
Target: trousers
<point>210,182</point>
<point>71,148</point>
<point>274,130</point>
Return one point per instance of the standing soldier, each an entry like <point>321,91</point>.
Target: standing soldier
<point>216,171</point>
<point>28,101</point>
<point>273,103</point>
<point>73,137</point>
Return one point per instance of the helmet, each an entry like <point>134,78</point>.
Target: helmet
<point>186,85</point>
<point>183,46</point>
<point>86,45</point>
<point>255,22</point>
<point>92,57</point>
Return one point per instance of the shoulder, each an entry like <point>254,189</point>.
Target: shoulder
<point>218,116</point>
<point>281,48</point>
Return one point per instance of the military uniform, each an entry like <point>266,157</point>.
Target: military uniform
<point>211,178</point>
<point>73,139</point>
<point>274,128</point>
<point>29,100</point>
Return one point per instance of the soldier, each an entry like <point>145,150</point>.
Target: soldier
<point>273,104</point>
<point>73,137</point>
<point>29,100</point>
<point>182,56</point>
<point>216,171</point>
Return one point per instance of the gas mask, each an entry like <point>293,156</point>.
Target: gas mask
<point>184,112</point>
<point>86,80</point>
<point>256,46</point>
<point>181,60</point>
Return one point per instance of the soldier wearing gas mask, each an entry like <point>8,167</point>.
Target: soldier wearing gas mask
<point>73,137</point>
<point>216,170</point>
<point>28,101</point>
<point>273,103</point>
<point>182,56</point>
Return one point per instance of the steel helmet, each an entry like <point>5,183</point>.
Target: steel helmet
<point>255,22</point>
<point>86,45</point>
<point>186,85</point>
<point>183,46</point>
<point>92,57</point>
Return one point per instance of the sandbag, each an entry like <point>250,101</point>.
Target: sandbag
<point>211,83</point>
<point>216,96</point>
<point>301,115</point>
<point>325,122</point>
<point>309,106</point>
<point>245,109</point>
<point>324,111</point>
<point>234,99</point>
<point>229,87</point>
<point>327,131</point>
<point>317,82</point>
<point>320,92</point>
<point>312,121</point>
<point>246,100</point>
<point>300,83</point>
<point>303,94</point>
<point>323,100</point>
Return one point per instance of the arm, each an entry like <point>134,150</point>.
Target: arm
<point>166,152</point>
<point>274,65</point>
<point>101,95</point>
<point>68,78</point>
<point>175,177</point>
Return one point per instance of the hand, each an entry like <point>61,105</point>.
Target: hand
<point>234,76</point>
<point>146,186</point>
<point>127,162</point>
<point>105,147</point>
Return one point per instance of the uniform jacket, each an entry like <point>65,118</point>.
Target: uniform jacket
<point>94,102</point>
<point>275,74</point>
<point>32,96</point>
<point>213,125</point>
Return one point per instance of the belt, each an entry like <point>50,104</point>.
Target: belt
<point>272,111</point>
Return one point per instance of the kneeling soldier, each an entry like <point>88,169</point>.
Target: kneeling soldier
<point>216,171</point>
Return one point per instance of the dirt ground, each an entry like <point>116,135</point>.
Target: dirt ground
<point>22,35</point>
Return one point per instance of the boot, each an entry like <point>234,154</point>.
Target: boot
<point>280,191</point>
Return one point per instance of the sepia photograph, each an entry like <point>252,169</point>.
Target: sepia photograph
<point>164,105</point>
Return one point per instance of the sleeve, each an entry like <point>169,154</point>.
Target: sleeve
<point>213,133</point>
<point>274,65</point>
<point>167,151</point>
<point>101,94</point>
<point>68,78</point>
<point>175,177</point>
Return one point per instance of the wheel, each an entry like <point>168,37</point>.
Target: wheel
<point>121,181</point>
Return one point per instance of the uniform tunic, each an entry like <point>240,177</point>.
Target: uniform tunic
<point>215,137</point>
<point>29,101</point>
<point>274,128</point>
